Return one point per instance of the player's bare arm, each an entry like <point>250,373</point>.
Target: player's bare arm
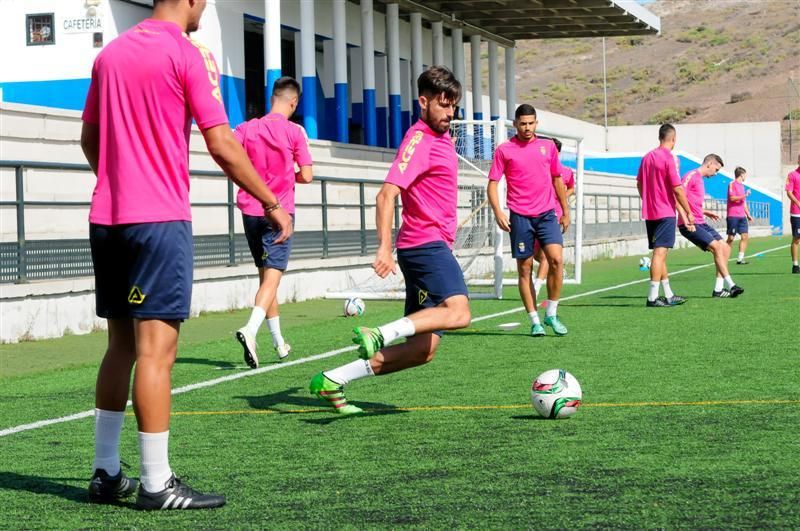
<point>304,176</point>
<point>561,193</point>
<point>90,144</point>
<point>384,206</point>
<point>494,201</point>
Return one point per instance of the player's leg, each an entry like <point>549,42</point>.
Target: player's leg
<point>108,482</point>
<point>554,253</point>
<point>721,252</point>
<point>794,247</point>
<point>541,272</point>
<point>744,231</point>
<point>271,260</point>
<point>523,249</point>
<point>658,270</point>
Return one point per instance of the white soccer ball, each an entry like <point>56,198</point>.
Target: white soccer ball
<point>556,394</point>
<point>353,306</point>
<point>644,263</point>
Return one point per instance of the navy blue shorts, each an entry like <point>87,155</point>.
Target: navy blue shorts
<point>737,226</point>
<point>261,235</point>
<point>702,236</point>
<point>432,275</point>
<point>525,231</point>
<point>660,232</point>
<point>795,221</point>
<point>143,270</point>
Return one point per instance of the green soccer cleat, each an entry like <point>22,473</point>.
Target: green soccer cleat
<point>332,393</point>
<point>557,326</point>
<point>537,330</point>
<point>369,341</point>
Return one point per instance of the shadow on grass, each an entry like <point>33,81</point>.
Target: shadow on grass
<point>527,417</point>
<point>485,333</point>
<point>296,396</point>
<point>44,485</point>
<point>203,361</point>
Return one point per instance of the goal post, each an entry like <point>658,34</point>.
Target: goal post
<point>480,246</point>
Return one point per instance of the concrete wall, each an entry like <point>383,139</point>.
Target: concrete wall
<point>756,146</point>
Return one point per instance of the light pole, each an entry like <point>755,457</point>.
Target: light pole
<point>605,93</point>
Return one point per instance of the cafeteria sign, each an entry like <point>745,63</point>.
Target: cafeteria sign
<point>82,25</point>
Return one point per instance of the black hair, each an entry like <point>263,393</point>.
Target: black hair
<point>664,131</point>
<point>285,83</point>
<point>437,80</point>
<point>524,110</point>
<point>739,171</point>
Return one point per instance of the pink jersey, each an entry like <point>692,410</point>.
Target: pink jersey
<point>147,84</point>
<point>569,182</point>
<point>274,145</point>
<point>736,208</point>
<point>793,185</point>
<point>658,177</point>
<point>695,194</point>
<point>529,168</point>
<point>426,169</point>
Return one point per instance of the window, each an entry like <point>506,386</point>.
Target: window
<point>40,29</point>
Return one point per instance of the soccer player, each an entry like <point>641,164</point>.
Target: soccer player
<point>738,213</point>
<point>146,87</point>
<point>568,177</point>
<point>533,178</point>
<point>660,188</point>
<point>704,236</point>
<point>274,145</point>
<point>425,175</point>
<point>793,192</point>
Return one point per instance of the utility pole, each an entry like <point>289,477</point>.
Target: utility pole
<point>605,93</point>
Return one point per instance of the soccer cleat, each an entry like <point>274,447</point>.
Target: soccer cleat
<point>557,326</point>
<point>332,393</point>
<point>742,262</point>
<point>721,294</point>
<point>736,291</point>
<point>177,495</point>
<point>248,343</point>
<point>537,330</point>
<point>676,300</point>
<point>369,341</point>
<point>107,489</point>
<point>283,351</point>
<point>660,302</point>
<point>795,270</point>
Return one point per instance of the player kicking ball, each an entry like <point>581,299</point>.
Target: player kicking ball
<point>425,176</point>
<point>533,178</point>
<point>738,213</point>
<point>274,145</point>
<point>704,236</point>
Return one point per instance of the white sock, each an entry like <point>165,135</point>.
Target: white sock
<point>741,257</point>
<point>256,318</point>
<point>274,325</point>
<point>718,284</point>
<point>396,329</point>
<point>795,262</point>
<point>107,429</point>
<point>534,318</point>
<point>155,471</point>
<point>653,294</point>
<point>552,308</point>
<point>667,290</point>
<point>355,370</point>
<point>537,285</point>
<point>729,282</point>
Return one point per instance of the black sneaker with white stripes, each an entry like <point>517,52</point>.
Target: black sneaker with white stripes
<point>721,294</point>
<point>736,290</point>
<point>108,489</point>
<point>177,495</point>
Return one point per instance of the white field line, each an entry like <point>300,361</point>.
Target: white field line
<point>330,353</point>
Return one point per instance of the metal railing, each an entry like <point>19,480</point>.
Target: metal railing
<point>605,216</point>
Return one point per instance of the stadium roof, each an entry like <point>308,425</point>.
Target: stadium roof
<point>506,21</point>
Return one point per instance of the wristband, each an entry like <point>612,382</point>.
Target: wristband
<point>272,208</point>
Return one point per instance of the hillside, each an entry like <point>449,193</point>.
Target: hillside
<point>715,61</point>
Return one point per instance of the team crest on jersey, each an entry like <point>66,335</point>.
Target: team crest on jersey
<point>423,295</point>
<point>543,150</point>
<point>408,152</point>
<point>264,256</point>
<point>521,247</point>
<point>136,296</point>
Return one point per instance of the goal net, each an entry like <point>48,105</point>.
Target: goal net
<point>480,247</point>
